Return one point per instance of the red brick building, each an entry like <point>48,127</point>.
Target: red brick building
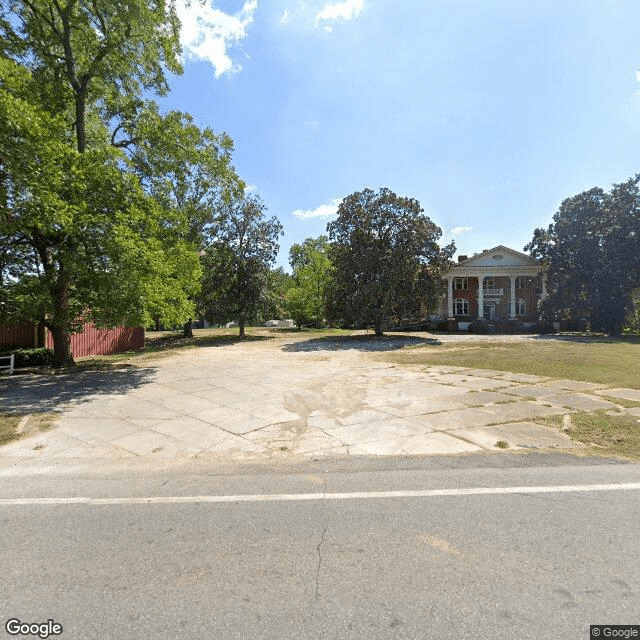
<point>500,286</point>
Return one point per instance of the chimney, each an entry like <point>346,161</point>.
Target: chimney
<point>462,258</point>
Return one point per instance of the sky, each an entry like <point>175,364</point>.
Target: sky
<point>488,113</point>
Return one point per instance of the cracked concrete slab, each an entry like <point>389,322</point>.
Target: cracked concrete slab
<point>518,435</point>
<point>283,398</point>
<point>624,394</point>
<point>579,401</point>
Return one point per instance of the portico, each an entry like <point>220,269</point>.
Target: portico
<point>498,284</point>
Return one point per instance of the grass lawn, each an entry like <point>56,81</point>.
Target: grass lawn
<point>612,361</point>
<point>604,432</point>
<point>37,422</point>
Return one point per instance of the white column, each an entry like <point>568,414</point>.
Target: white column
<point>512,314</point>
<point>544,285</point>
<point>480,298</point>
<point>450,298</point>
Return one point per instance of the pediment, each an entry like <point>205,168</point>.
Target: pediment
<point>499,256</point>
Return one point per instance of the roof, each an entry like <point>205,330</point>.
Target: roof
<point>499,256</point>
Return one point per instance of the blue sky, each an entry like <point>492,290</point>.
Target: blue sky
<point>489,113</point>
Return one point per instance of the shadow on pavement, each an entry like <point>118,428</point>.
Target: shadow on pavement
<point>45,393</point>
<point>361,343</point>
<point>177,342</point>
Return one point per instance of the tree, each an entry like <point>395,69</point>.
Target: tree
<point>280,285</point>
<point>89,54</point>
<point>592,251</point>
<point>185,169</point>
<point>86,218</point>
<point>243,246</point>
<point>311,274</point>
<point>386,257</point>
<point>78,237</point>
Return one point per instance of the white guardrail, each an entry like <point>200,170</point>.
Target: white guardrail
<point>8,366</point>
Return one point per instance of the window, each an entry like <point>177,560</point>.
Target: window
<point>461,283</point>
<point>460,307</point>
<point>522,283</point>
<point>488,284</point>
<point>521,307</point>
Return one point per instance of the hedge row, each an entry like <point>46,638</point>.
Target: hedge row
<point>23,358</point>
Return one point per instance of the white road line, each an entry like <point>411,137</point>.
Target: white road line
<point>294,497</point>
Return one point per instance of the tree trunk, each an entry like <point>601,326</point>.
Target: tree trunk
<point>241,326</point>
<point>59,330</point>
<point>379,326</point>
<point>81,136</point>
<point>61,348</point>
<point>188,328</point>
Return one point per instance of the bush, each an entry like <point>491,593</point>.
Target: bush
<point>23,358</point>
<point>479,327</point>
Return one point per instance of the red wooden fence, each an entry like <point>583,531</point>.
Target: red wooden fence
<point>17,335</point>
<point>90,342</point>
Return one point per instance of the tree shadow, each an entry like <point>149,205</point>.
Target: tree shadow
<point>361,343</point>
<point>167,343</point>
<point>45,393</point>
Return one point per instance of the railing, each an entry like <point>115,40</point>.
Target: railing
<point>492,292</point>
<point>8,366</point>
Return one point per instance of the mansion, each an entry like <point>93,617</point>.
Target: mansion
<point>500,286</point>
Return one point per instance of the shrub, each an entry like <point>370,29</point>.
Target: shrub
<point>23,358</point>
<point>479,327</point>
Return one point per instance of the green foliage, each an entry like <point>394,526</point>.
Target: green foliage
<point>86,54</point>
<point>280,285</point>
<point>312,269</point>
<point>237,279</point>
<point>103,200</point>
<point>23,358</point>
<point>387,261</point>
<point>480,328</point>
<point>79,238</point>
<point>592,250</point>
<point>632,321</point>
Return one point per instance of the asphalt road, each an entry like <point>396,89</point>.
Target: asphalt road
<point>486,546</point>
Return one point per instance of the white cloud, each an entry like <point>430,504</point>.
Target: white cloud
<point>285,17</point>
<point>323,211</point>
<point>346,10</point>
<point>207,32</point>
<point>458,230</point>
<point>637,76</point>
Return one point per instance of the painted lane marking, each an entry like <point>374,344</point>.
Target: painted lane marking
<point>295,497</point>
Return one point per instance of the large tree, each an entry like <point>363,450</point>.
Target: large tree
<point>237,279</point>
<point>592,251</point>
<point>79,238</point>
<point>386,257</point>
<point>90,228</point>
<point>311,275</point>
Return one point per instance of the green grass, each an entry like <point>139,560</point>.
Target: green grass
<point>37,422</point>
<point>608,361</point>
<point>603,432</point>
